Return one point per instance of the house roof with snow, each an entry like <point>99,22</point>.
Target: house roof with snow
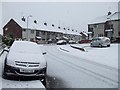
<point>42,27</point>
<point>103,19</point>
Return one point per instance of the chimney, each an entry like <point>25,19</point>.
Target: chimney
<point>109,13</point>
<point>35,21</point>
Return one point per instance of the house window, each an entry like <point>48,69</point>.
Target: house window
<point>58,27</point>
<point>98,35</point>
<point>100,26</point>
<point>111,26</point>
<point>53,33</point>
<point>24,30</point>
<point>37,33</point>
<point>45,24</point>
<point>92,34</point>
<point>119,33</point>
<point>101,35</point>
<point>64,28</point>
<point>95,26</point>
<point>52,25</point>
<point>32,31</point>
<point>43,33</point>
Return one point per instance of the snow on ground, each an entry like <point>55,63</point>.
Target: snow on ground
<point>68,71</point>
<point>4,83</point>
<point>106,55</point>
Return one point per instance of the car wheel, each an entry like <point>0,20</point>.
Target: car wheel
<point>91,45</point>
<point>108,45</point>
<point>100,45</point>
<point>4,75</point>
<point>43,80</point>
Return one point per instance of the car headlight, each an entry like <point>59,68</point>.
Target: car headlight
<point>10,62</point>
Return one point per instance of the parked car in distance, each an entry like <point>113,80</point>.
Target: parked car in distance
<point>49,41</point>
<point>72,42</point>
<point>62,42</point>
<point>84,41</point>
<point>25,58</point>
<point>100,42</point>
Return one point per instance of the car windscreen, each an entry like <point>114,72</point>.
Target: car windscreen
<point>25,48</point>
<point>94,39</point>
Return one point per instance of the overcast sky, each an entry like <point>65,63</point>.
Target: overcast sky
<point>75,15</point>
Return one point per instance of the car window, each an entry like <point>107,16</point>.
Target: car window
<point>98,39</point>
<point>93,39</point>
<point>107,40</point>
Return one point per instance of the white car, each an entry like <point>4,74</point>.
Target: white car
<point>62,42</point>
<point>72,42</point>
<point>100,41</point>
<point>25,58</point>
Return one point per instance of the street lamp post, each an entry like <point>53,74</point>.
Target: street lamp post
<point>27,24</point>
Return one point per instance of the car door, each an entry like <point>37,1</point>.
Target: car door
<point>97,41</point>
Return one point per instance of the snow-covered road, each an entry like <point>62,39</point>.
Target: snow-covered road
<point>69,71</point>
<point>72,68</point>
<point>106,55</point>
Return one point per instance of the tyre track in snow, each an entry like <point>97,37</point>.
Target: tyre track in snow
<point>88,61</point>
<point>52,54</point>
<point>61,52</point>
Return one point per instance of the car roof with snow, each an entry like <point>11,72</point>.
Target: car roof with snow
<point>71,41</point>
<point>60,41</point>
<point>101,38</point>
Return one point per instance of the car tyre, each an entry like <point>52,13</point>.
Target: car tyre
<point>100,45</point>
<point>91,45</point>
<point>4,75</point>
<point>108,45</point>
<point>43,80</point>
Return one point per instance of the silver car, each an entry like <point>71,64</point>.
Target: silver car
<point>62,42</point>
<point>100,42</point>
<point>25,59</point>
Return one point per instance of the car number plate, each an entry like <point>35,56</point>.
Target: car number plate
<point>26,71</point>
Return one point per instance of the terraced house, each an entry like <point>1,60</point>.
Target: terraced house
<point>43,32</point>
<point>107,25</point>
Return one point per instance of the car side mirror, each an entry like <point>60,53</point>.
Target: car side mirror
<point>6,49</point>
<point>44,53</point>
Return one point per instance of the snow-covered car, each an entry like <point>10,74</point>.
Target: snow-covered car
<point>72,42</point>
<point>62,42</point>
<point>25,58</point>
<point>100,42</point>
